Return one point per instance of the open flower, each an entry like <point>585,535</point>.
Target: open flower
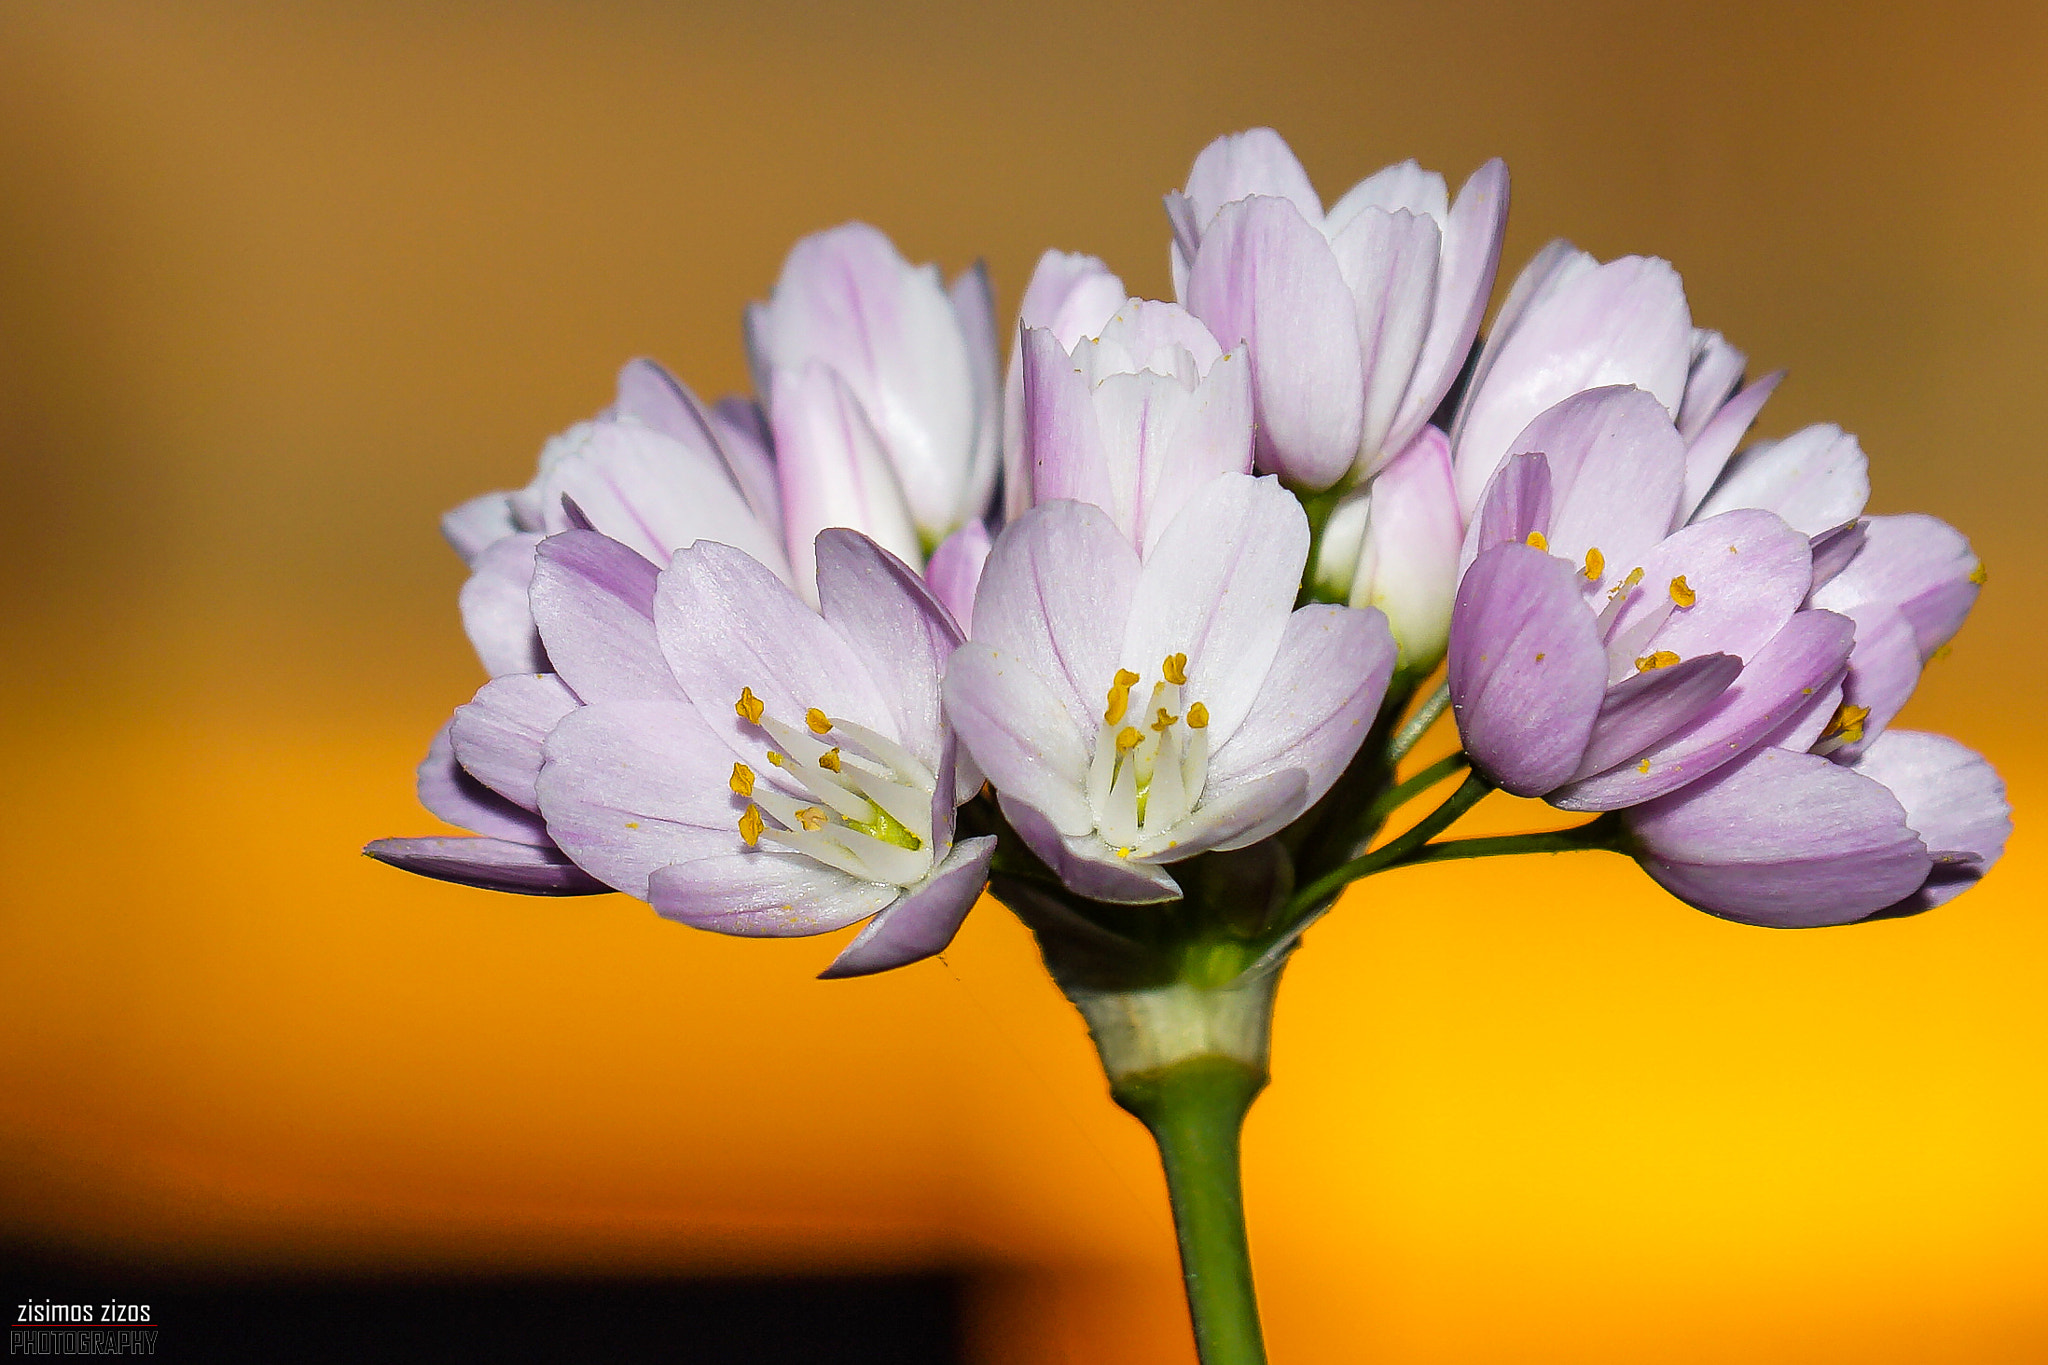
<point>1599,659</point>
<point>1134,712</point>
<point>1357,320</point>
<point>880,386</point>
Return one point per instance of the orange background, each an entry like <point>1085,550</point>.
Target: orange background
<point>280,283</point>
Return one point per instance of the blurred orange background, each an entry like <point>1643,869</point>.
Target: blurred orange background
<point>280,283</point>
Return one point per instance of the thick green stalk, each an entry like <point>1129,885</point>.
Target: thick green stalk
<point>1188,1061</point>
<point>1196,1110</point>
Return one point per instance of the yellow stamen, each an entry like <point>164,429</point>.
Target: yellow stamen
<point>1977,575</point>
<point>751,825</point>
<point>1198,717</point>
<point>1125,678</point>
<point>1847,722</point>
<point>749,706</point>
<point>1682,593</point>
<point>1644,766</point>
<point>1663,658</point>
<point>1119,702</point>
<point>818,722</point>
<point>1596,565</point>
<point>1164,721</point>
<point>1539,540</point>
<point>1175,669</point>
<point>775,758</point>
<point>1128,739</point>
<point>829,760</point>
<point>811,818</point>
<point>742,780</point>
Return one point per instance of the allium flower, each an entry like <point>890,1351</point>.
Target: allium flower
<point>1136,419</point>
<point>656,471</point>
<point>1571,324</point>
<point>1135,712</point>
<point>1357,320</point>
<point>747,764</point>
<point>1394,545</point>
<point>880,386</point>
<point>1599,658</point>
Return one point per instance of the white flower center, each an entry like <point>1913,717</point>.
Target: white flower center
<point>869,807</point>
<point>1150,763</point>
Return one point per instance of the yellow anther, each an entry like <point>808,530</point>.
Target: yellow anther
<point>1175,669</point>
<point>1119,702</point>
<point>749,706</point>
<point>1540,541</point>
<point>1663,658</point>
<point>1128,739</point>
<point>818,722</point>
<point>775,758</point>
<point>1164,721</point>
<point>1682,593</point>
<point>1198,717</point>
<point>751,825</point>
<point>1635,576</point>
<point>1977,575</point>
<point>1847,722</point>
<point>829,760</point>
<point>742,780</point>
<point>1596,565</point>
<point>811,818</point>
<point>1643,767</point>
<point>1126,678</point>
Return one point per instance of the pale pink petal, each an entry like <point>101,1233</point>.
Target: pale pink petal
<point>921,924</point>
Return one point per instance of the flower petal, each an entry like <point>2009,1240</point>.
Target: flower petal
<point>1527,670</point>
<point>1266,276</point>
<point>478,524</point>
<point>1027,743</point>
<point>1072,296</point>
<point>1471,256</point>
<point>1408,556</point>
<point>1064,452</point>
<point>955,570</point>
<point>1517,505</point>
<point>1716,370</point>
<point>490,864</point>
<point>593,598</point>
<point>1954,800</point>
<point>1389,260</point>
<point>1706,454</point>
<point>1622,323</point>
<point>1315,706</point>
<point>834,470</point>
<point>1616,468</point>
<point>449,792</point>
<point>880,607</point>
<point>921,924</point>
<point>1919,564</point>
<point>1884,668</point>
<point>1815,479</point>
<point>1805,657</point>
<point>632,786</point>
<point>1785,840</point>
<point>1237,165</point>
<point>498,735</point>
<point>1245,814</point>
<point>495,614</point>
<point>1054,597</point>
<point>974,305</point>
<point>655,398</point>
<point>1745,572</point>
<point>1218,587</point>
<point>1833,549</point>
<point>1639,711</point>
<point>759,894</point>
<point>1087,866</point>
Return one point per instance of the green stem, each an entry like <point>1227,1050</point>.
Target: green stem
<point>1393,798</point>
<point>1410,734</point>
<point>1311,897</point>
<point>1597,834</point>
<point>1195,1109</point>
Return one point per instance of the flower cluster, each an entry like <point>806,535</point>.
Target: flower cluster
<point>1141,616</point>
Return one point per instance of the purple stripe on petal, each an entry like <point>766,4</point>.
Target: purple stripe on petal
<point>1639,711</point>
<point>1785,840</point>
<point>1804,658</point>
<point>921,924</point>
<point>1527,670</point>
<point>593,599</point>
<point>489,864</point>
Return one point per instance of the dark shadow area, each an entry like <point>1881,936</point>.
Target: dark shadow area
<point>282,1317</point>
